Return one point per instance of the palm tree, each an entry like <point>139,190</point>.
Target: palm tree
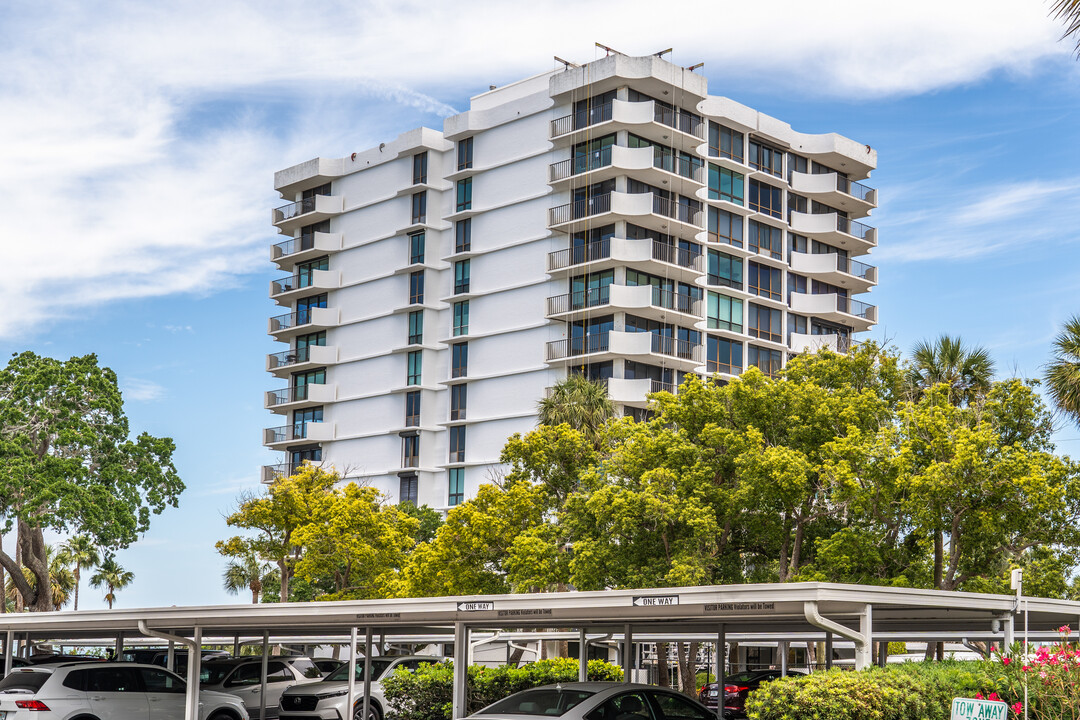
<point>581,403</point>
<point>1069,12</point>
<point>81,555</point>
<point>1063,372</point>
<point>60,576</point>
<point>111,576</point>
<point>968,371</point>
<point>247,573</point>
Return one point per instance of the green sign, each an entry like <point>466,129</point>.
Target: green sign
<point>970,709</point>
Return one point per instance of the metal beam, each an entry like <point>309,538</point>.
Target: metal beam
<point>191,699</point>
<point>461,670</point>
<point>583,657</point>
<point>367,674</point>
<point>628,652</point>
<point>262,674</point>
<point>721,666</point>
<point>352,671</point>
<point>8,656</point>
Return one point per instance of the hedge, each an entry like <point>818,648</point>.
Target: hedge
<point>427,693</point>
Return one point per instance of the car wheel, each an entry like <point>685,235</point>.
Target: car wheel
<point>374,713</point>
<point>222,715</point>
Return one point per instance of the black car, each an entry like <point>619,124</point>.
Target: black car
<point>736,688</point>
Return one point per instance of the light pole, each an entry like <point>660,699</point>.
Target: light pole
<point>1016,582</point>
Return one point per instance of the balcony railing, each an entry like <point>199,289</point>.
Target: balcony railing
<point>678,302</point>
<point>290,357</point>
<point>292,282</point>
<point>270,473</point>
<point>679,120</point>
<point>658,386</point>
<point>581,164</point>
<point>282,396</point>
<point>294,209</point>
<point>673,162</point>
<point>580,119</point>
<point>853,307</point>
<point>295,245</point>
<point>291,320</point>
<point>597,250</point>
<point>682,349</point>
<point>580,209</point>
<point>674,255</point>
<point>856,190</point>
<point>286,433</point>
<point>579,300</point>
<point>572,347</point>
<point>852,227</point>
<point>854,267</point>
<point>676,210</point>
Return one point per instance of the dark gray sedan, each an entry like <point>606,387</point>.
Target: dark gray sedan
<point>597,701</point>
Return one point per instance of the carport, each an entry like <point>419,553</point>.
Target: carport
<point>782,612</point>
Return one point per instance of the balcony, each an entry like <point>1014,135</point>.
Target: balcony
<point>633,392</point>
<point>279,438</point>
<point>305,247</point>
<point>643,254</point>
<point>302,321</point>
<point>645,300</point>
<point>285,363</point>
<point>801,343</point>
<point>646,209</point>
<point>286,399</point>
<point>648,347</point>
<point>837,191</point>
<point>270,473</point>
<point>285,290</point>
<point>830,306</point>
<point>310,210</point>
<point>836,230</point>
<point>645,118</point>
<point>835,270</point>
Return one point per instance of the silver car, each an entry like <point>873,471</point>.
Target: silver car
<point>242,677</point>
<point>328,699</point>
<point>106,690</point>
<point>596,701</point>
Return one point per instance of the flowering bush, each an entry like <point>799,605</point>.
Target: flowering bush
<point>1051,674</point>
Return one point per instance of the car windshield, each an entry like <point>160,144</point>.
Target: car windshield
<point>378,667</point>
<point>552,702</point>
<point>24,681</point>
<point>214,674</point>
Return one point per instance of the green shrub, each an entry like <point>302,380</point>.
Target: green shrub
<point>427,694</point>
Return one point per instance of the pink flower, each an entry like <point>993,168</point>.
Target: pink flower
<point>1017,707</point>
<point>979,696</point>
<point>1025,668</point>
<point>994,696</point>
<point>1006,661</point>
<point>1064,630</point>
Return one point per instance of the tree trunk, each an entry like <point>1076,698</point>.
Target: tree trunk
<point>283,572</point>
<point>515,657</point>
<point>35,559</point>
<point>78,581</point>
<point>688,668</point>
<point>662,664</point>
<point>3,585</point>
<point>939,552</point>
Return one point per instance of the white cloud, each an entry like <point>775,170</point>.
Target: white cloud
<point>141,390</point>
<point>121,180</point>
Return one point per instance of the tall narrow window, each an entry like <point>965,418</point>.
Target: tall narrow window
<point>764,323</point>
<point>768,361</point>
<point>416,248</point>
<point>464,154</point>
<point>456,481</point>
<point>459,400</point>
<point>766,199</point>
<point>416,327</point>
<point>408,486</point>
<point>459,363</point>
<point>725,270</point>
<point>457,444</point>
<point>464,194</point>
<point>725,313</point>
<point>725,184</point>
<point>766,159</point>
<point>416,287</point>
<point>725,227</point>
<point>766,239</point>
<point>725,142</point>
<point>419,168</point>
<point>412,408</point>
<point>723,355</point>
<point>461,318</point>
<point>414,361</point>
<point>463,235</point>
<point>461,277</point>
<point>765,281</point>
<point>419,207</point>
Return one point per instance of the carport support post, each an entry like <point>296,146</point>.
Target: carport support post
<point>864,650</point>
<point>721,662</point>
<point>118,652</point>
<point>367,673</point>
<point>7,652</point>
<point>262,674</point>
<point>627,653</point>
<point>352,670</point>
<point>236,645</point>
<point>461,670</point>
<point>583,657</point>
<point>828,650</point>
<point>194,669</point>
<point>782,651</point>
<point>1009,621</point>
<point>170,657</point>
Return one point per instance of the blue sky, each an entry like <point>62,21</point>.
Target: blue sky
<point>139,144</point>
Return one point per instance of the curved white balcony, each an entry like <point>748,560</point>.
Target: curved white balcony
<point>615,344</point>
<point>298,249</point>
<point>836,191</point>
<point>645,209</point>
<point>287,399</point>
<point>685,131</point>
<point>641,253</point>
<point>279,438</point>
<point>284,291</point>
<point>310,320</point>
<point>830,306</point>
<point>307,211</point>
<point>839,231</point>
<point>801,342</point>
<point>283,364</point>
<point>835,270</point>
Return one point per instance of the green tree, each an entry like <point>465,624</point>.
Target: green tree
<point>967,371</point>
<point>67,464</point>
<point>579,402</point>
<point>81,554</point>
<point>111,576</point>
<point>61,579</point>
<point>245,573</point>
<point>1068,11</point>
<point>1063,372</point>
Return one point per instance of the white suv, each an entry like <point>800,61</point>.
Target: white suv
<point>105,691</point>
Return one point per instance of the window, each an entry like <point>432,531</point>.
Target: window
<point>159,681</point>
<point>725,142</point>
<point>795,284</point>
<point>725,270</point>
<point>461,277</point>
<point>416,327</point>
<point>301,418</point>
<point>410,451</point>
<point>767,361</point>
<point>461,318</point>
<point>765,281</point>
<point>463,235</point>
<point>407,493</point>
<point>305,271</point>
<point>416,248</point>
<point>766,199</point>
<point>796,324</point>
<point>464,154</point>
<point>457,444</point>
<point>766,159</point>
<point>113,679</point>
<point>456,481</point>
<point>412,408</point>
<point>459,363</point>
<point>725,313</point>
<point>300,382</point>
<point>797,163</point>
<point>415,362</point>
<point>464,194</point>
<point>796,203</point>
<point>725,184</point>
<point>628,706</point>
<point>676,707</point>
<point>304,307</point>
<point>459,400</point>
<point>419,207</point>
<point>767,239</point>
<point>419,168</point>
<point>416,287</point>
<point>765,323</point>
<point>723,355</point>
<point>725,227</point>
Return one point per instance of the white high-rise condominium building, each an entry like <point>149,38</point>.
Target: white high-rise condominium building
<point>612,219</point>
